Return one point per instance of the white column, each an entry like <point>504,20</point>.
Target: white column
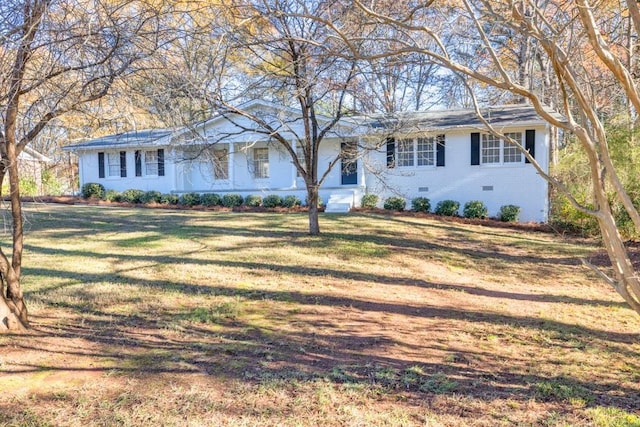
<point>231,162</point>
<point>294,171</point>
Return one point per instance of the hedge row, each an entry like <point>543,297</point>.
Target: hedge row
<point>94,190</point>
<point>472,209</point>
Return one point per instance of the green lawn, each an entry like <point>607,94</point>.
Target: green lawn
<point>166,317</point>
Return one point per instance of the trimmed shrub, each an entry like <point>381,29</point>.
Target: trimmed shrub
<point>210,199</point>
<point>291,201</point>
<point>370,201</point>
<point>272,201</point>
<point>421,204</point>
<point>169,199</point>
<point>253,200</point>
<point>475,209</point>
<point>190,199</point>
<point>509,213</point>
<point>93,190</point>
<point>231,200</point>
<point>395,204</point>
<point>112,196</point>
<point>132,195</point>
<point>150,197</point>
<point>447,208</point>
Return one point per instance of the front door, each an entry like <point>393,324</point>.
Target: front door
<point>349,163</point>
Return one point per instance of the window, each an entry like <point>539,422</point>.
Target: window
<point>261,163</point>
<point>151,162</point>
<point>220,164</point>
<point>113,164</point>
<point>425,151</point>
<point>405,152</point>
<point>512,153</point>
<point>490,149</point>
<point>419,151</point>
<point>495,150</point>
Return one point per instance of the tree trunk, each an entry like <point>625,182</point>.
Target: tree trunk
<point>9,320</point>
<point>312,203</point>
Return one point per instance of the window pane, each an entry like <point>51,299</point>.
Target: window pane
<point>151,162</point>
<point>490,149</point>
<point>425,151</point>
<point>261,163</point>
<point>512,153</point>
<point>404,149</point>
<point>220,164</point>
<point>113,161</point>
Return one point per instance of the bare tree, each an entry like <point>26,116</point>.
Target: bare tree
<point>293,61</point>
<point>576,40</point>
<point>57,56</point>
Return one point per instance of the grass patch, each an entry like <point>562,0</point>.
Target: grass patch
<point>168,317</point>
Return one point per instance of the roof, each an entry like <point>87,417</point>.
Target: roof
<point>34,155</point>
<point>505,115</point>
<point>134,138</point>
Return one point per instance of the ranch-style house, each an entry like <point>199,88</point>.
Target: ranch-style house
<point>434,154</point>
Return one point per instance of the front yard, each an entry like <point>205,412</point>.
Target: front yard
<point>165,317</point>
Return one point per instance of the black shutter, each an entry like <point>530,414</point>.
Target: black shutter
<point>100,165</point>
<point>475,148</point>
<point>123,164</point>
<point>138,156</point>
<point>160,162</point>
<point>440,150</point>
<point>530,143</point>
<point>391,152</point>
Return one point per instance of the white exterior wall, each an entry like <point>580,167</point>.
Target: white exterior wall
<point>89,172</point>
<point>516,184</point>
<point>198,176</point>
<point>495,185</point>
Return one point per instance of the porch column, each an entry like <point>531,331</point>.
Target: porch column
<point>294,171</point>
<point>231,162</point>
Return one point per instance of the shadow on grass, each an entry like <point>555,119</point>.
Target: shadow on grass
<point>135,344</point>
<point>138,343</point>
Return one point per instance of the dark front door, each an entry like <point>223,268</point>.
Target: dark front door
<point>349,163</point>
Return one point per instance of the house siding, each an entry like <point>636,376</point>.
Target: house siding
<point>457,173</point>
<point>89,172</point>
<point>494,185</point>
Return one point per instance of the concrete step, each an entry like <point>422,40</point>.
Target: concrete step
<point>337,207</point>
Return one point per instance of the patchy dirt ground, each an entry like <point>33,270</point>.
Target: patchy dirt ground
<point>201,318</point>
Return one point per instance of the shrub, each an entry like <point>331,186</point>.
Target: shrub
<point>509,213</point>
<point>190,199</point>
<point>93,190</point>
<point>421,204</point>
<point>291,201</point>
<point>447,208</point>
<point>210,199</point>
<point>132,195</point>
<point>395,204</point>
<point>112,196</point>
<point>475,209</point>
<point>150,197</point>
<point>28,186</point>
<point>272,201</point>
<point>231,200</point>
<point>51,184</point>
<point>169,199</point>
<point>370,201</point>
<point>253,200</point>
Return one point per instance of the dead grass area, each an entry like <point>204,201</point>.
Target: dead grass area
<point>166,317</point>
